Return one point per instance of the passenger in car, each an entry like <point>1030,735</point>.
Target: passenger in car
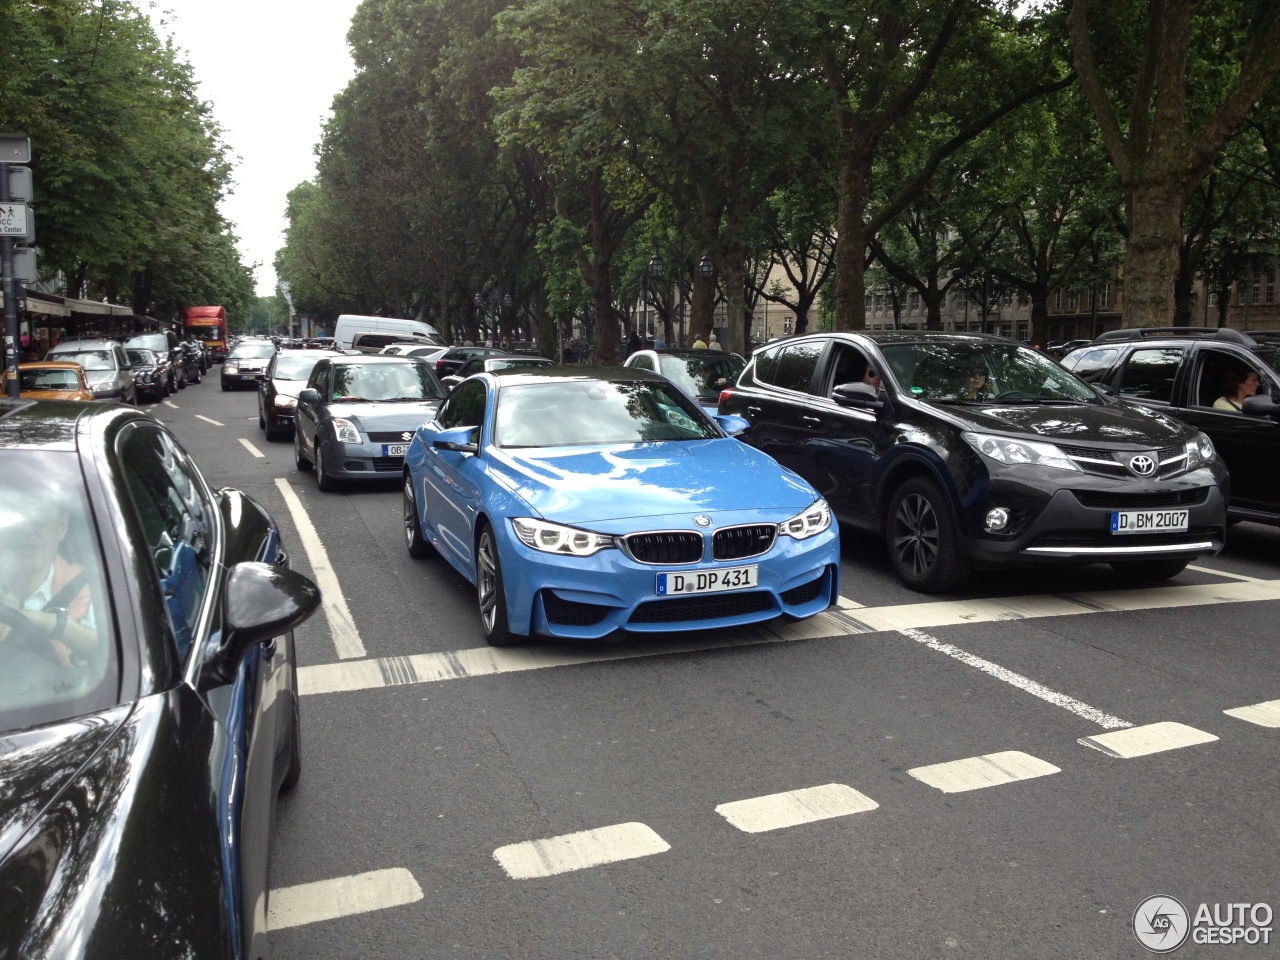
<point>1241,384</point>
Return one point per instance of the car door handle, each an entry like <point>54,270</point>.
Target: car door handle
<point>753,411</point>
<point>812,421</point>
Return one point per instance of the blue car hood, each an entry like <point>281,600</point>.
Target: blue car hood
<point>587,485</point>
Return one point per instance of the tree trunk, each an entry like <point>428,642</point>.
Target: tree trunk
<point>1224,302</point>
<point>1151,260</point>
<point>851,247</point>
<point>1183,286</point>
<point>1040,315</point>
<point>735,298</point>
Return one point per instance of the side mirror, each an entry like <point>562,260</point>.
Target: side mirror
<point>260,602</point>
<point>459,440</point>
<point>309,396</point>
<point>861,396</point>
<point>1103,389</point>
<point>1260,405</point>
<point>450,381</point>
<point>731,424</point>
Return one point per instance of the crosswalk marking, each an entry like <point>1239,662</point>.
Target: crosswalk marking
<point>341,897</point>
<point>795,807</point>
<point>1263,714</point>
<point>578,851</point>
<point>977,773</point>
<point>487,661</point>
<point>1152,738</point>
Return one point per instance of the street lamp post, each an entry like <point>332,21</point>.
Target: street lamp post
<point>656,269</point>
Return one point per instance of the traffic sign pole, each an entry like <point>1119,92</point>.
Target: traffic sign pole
<point>13,149</point>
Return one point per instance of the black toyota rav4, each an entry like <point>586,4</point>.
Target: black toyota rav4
<point>968,452</point>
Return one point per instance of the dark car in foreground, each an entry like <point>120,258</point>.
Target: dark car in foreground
<point>148,692</point>
<point>278,389</point>
<point>969,452</point>
<point>701,374</point>
<point>357,414</point>
<point>246,362</point>
<point>1223,382</point>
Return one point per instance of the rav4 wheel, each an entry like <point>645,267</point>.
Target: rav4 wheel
<point>922,538</point>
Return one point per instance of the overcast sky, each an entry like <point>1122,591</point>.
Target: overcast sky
<point>270,68</point>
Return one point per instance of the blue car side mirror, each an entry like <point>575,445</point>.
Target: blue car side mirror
<point>460,440</point>
<point>733,425</point>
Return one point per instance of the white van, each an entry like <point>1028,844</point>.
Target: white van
<point>350,324</point>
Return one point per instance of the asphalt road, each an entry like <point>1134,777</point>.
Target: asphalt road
<point>425,753</point>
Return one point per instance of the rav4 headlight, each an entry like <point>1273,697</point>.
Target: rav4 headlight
<point>554,538</point>
<point>345,431</point>
<point>1010,451</point>
<point>808,524</point>
<point>1199,451</point>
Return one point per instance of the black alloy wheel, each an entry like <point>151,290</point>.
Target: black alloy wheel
<point>1149,570</point>
<point>921,535</point>
<point>490,592</point>
<point>416,543</point>
<point>294,771</point>
<point>299,458</point>
<point>324,482</point>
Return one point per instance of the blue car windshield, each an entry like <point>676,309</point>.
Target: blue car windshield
<point>57,646</point>
<point>594,412</point>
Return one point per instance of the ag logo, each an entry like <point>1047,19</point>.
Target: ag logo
<point>1142,465</point>
<point>1161,923</point>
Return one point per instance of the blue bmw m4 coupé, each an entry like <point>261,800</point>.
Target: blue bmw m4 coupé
<point>584,501</point>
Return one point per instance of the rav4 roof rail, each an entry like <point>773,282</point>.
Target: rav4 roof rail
<point>1142,333</point>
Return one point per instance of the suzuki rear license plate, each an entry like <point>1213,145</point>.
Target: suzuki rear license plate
<point>708,581</point>
<point>1149,521</point>
<point>394,449</point>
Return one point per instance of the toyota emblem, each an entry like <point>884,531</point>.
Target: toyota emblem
<point>1142,465</point>
<point>702,520</point>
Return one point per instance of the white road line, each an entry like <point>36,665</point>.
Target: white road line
<point>844,603</point>
<point>578,851</point>
<point>1224,573</point>
<point>1263,714</point>
<point>487,661</point>
<point>1018,680</point>
<point>216,423</point>
<point>341,897</point>
<point>170,403</point>
<point>251,448</point>
<point>343,629</point>
<point>795,807</point>
<point>977,773</point>
<point>1152,738</point>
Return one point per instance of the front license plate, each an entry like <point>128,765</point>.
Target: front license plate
<point>394,449</point>
<point>708,581</point>
<point>1149,521</point>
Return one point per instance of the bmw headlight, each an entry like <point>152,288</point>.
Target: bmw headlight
<point>812,522</point>
<point>1199,451</point>
<point>554,538</point>
<point>345,431</point>
<point>1009,451</point>
<point>285,403</point>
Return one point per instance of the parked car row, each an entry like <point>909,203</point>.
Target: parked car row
<point>145,367</point>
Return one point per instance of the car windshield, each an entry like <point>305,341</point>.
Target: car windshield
<point>252,351</point>
<point>141,358</point>
<point>701,377</point>
<point>295,368</point>
<point>48,379</point>
<point>596,412</point>
<point>156,343</point>
<point>974,371</point>
<point>1270,355</point>
<point>89,359</point>
<point>57,649</point>
<point>388,382</point>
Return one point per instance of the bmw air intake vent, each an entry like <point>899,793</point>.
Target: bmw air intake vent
<point>672,547</point>
<point>735,543</point>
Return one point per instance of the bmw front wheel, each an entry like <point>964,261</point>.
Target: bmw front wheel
<point>418,546</point>
<point>490,592</point>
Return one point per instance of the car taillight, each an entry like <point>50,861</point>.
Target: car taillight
<point>724,395</point>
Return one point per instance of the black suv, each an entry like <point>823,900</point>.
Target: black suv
<point>1193,373</point>
<point>977,452</point>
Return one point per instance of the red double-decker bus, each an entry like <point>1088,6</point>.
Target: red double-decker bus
<point>210,325</point>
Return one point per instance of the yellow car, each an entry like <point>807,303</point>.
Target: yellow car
<point>53,380</point>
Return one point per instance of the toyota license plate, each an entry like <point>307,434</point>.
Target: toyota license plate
<point>1149,521</point>
<point>394,449</point>
<point>707,581</point>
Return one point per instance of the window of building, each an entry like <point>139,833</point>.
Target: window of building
<point>915,302</point>
<point>1071,301</point>
<point>1104,295</point>
<point>1255,291</point>
<point>1057,299</point>
<point>1271,286</point>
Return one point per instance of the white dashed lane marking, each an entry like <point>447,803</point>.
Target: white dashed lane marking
<point>977,773</point>
<point>251,448</point>
<point>216,423</point>
<point>487,661</point>
<point>795,807</point>
<point>170,403</point>
<point>341,897</point>
<point>341,627</point>
<point>1263,714</point>
<point>1152,738</point>
<point>578,851</point>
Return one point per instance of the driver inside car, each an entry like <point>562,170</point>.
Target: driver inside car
<point>45,601</point>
